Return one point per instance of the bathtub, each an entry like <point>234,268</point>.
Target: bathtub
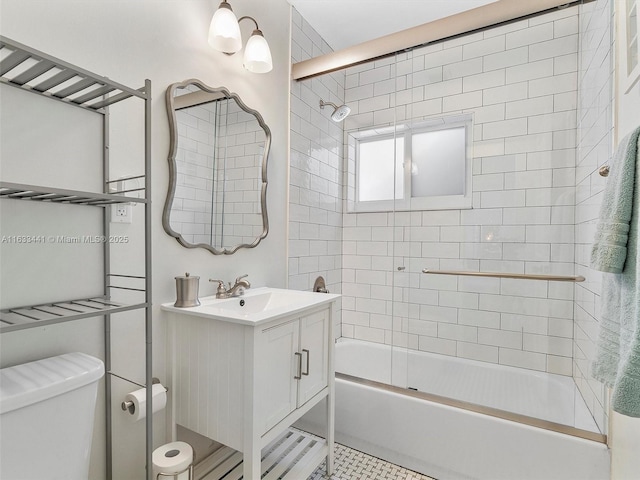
<point>448,441</point>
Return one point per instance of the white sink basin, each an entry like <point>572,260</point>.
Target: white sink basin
<point>252,304</point>
<point>256,306</point>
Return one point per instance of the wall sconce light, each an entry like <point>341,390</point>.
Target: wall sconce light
<point>224,36</point>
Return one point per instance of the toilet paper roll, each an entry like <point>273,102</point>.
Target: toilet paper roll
<point>171,459</point>
<point>139,400</point>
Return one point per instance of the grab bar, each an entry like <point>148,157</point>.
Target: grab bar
<point>522,276</point>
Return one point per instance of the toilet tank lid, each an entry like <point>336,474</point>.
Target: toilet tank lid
<point>29,383</point>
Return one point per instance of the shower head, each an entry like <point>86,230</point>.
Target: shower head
<point>339,112</point>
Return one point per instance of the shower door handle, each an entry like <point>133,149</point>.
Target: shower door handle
<point>304,350</point>
<point>299,375</point>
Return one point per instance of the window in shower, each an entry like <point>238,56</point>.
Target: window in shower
<point>380,169</point>
<point>423,166</point>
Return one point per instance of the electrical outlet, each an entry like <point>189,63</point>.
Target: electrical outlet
<point>121,213</point>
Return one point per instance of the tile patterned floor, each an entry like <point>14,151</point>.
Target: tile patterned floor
<point>351,464</point>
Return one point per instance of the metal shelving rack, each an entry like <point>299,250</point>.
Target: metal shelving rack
<point>36,72</point>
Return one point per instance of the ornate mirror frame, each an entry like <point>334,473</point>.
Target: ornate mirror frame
<point>173,146</point>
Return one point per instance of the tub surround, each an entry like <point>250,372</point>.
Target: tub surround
<point>536,88</point>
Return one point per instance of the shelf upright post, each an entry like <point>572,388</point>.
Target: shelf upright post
<point>147,235</point>
<point>106,218</point>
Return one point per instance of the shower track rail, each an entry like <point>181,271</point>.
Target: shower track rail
<point>482,409</point>
<point>520,276</point>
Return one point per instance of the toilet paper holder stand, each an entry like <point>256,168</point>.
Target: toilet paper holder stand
<point>128,405</point>
<point>177,474</point>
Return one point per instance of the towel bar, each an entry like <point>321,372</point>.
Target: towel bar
<point>523,276</point>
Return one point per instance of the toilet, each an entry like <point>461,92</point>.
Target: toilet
<point>46,417</point>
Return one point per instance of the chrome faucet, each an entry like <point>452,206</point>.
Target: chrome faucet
<point>236,290</point>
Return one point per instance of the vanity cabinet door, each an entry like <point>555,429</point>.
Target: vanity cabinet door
<point>277,364</point>
<point>314,347</point>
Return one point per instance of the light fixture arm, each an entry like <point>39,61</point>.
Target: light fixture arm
<point>252,19</point>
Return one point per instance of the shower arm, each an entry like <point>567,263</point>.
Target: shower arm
<point>323,103</point>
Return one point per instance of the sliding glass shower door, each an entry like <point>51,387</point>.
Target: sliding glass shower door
<point>483,164</point>
<point>459,219</point>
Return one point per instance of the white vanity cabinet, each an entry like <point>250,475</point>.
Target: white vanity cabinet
<point>244,381</point>
<point>294,366</point>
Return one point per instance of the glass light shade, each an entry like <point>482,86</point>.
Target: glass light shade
<point>257,55</point>
<point>224,31</point>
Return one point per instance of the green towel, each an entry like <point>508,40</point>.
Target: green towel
<point>615,251</point>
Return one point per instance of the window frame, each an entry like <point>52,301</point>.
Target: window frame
<point>405,134</point>
<point>630,74</point>
<point>379,205</point>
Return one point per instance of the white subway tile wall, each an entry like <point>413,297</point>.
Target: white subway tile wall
<point>595,144</point>
<point>219,155</point>
<point>191,211</point>
<point>315,186</point>
<point>520,83</point>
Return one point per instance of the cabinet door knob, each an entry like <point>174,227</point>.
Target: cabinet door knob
<point>299,375</point>
<point>307,352</point>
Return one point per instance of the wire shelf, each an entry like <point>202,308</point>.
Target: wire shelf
<point>38,315</point>
<point>29,69</point>
<point>56,195</point>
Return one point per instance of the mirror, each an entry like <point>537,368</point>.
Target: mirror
<point>218,169</point>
